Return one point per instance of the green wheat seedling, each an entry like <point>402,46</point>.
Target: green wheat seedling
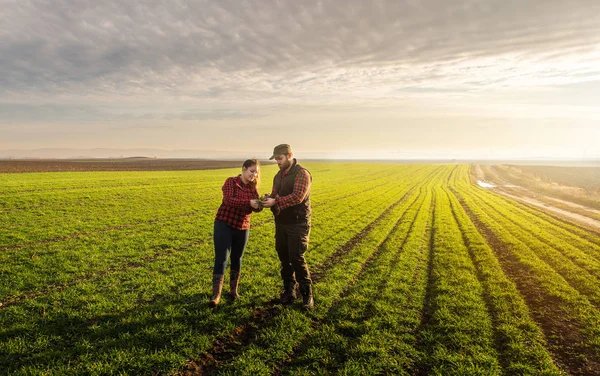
<point>415,271</point>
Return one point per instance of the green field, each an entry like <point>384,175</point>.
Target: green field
<point>416,271</point>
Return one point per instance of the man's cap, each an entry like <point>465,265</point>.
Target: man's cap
<point>281,149</point>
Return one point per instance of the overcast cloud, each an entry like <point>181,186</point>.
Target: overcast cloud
<point>217,60</point>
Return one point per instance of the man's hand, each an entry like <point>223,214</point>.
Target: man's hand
<point>269,202</point>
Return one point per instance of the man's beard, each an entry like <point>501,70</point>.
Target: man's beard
<point>286,165</point>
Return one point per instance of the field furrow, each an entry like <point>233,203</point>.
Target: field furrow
<point>457,335</point>
<point>543,228</point>
<point>274,342</point>
<point>268,316</point>
<point>570,323</point>
<point>370,329</point>
<point>518,339</point>
<point>416,270</point>
<point>579,271</point>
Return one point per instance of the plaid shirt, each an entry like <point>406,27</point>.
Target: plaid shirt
<point>301,189</point>
<point>235,210</point>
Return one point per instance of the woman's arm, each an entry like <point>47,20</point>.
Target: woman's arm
<point>256,196</point>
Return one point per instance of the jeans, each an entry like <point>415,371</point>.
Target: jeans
<point>228,240</point>
<point>291,242</point>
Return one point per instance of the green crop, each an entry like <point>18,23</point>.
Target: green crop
<point>415,271</point>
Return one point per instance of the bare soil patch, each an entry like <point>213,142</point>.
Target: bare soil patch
<point>125,164</point>
<point>579,187</point>
<point>579,218</point>
<point>581,215</point>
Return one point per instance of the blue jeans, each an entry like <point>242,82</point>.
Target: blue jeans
<point>228,240</point>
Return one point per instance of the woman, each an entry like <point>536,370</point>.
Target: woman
<point>232,224</point>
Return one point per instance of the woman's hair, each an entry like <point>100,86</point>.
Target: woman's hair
<point>253,162</point>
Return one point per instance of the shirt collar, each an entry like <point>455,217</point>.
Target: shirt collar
<point>238,180</point>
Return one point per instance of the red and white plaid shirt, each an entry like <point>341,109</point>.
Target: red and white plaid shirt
<point>235,210</point>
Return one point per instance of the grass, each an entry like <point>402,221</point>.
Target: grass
<point>570,321</point>
<point>416,271</point>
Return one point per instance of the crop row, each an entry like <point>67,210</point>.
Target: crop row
<point>57,263</point>
<point>457,330</point>
<point>405,310</point>
<point>570,322</point>
<point>126,312</point>
<point>372,327</point>
<point>415,271</point>
<point>274,344</point>
<point>518,339</point>
<point>51,216</point>
<point>577,262</point>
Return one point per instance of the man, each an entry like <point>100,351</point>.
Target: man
<point>290,204</point>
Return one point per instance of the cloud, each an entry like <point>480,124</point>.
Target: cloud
<point>278,51</point>
<point>22,113</point>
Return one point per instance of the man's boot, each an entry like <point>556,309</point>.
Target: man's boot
<point>216,291</point>
<point>289,293</point>
<point>234,279</point>
<point>307,296</point>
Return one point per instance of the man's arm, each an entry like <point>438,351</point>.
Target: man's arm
<point>299,192</point>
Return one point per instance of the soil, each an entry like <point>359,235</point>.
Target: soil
<point>564,337</point>
<point>540,201</point>
<point>125,164</point>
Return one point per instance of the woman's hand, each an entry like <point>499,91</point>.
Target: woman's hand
<point>254,204</point>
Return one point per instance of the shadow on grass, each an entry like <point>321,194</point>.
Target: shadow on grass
<point>156,336</point>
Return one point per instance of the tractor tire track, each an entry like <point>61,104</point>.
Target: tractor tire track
<point>369,310</point>
<point>225,348</point>
<point>588,226</point>
<point>502,360</point>
<point>564,265</point>
<point>564,338</point>
<point>340,253</point>
<point>428,309</point>
<point>593,232</point>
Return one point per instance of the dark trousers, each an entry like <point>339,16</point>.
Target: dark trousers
<point>228,240</point>
<point>291,242</point>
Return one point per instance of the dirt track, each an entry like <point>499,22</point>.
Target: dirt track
<point>528,197</point>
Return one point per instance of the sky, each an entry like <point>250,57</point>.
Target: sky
<point>335,79</point>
